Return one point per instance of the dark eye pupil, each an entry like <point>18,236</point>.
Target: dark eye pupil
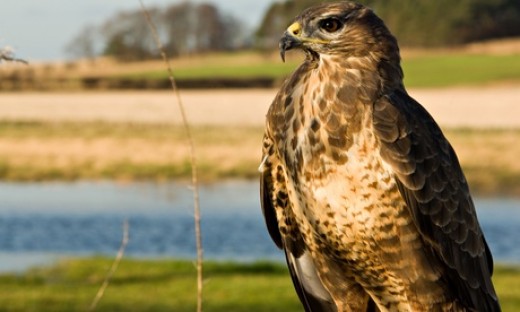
<point>330,25</point>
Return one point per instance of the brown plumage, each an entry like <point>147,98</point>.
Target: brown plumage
<point>359,185</point>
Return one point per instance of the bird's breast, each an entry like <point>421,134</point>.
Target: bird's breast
<point>344,197</point>
<point>342,189</point>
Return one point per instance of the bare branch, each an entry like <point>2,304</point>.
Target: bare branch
<point>194,174</point>
<point>113,268</point>
<point>6,54</point>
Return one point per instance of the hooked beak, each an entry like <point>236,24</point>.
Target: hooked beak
<point>291,39</point>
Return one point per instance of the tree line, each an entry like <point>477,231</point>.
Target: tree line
<point>184,28</point>
<point>188,28</point>
<point>423,23</point>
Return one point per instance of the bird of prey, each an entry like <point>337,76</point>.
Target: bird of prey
<point>359,186</point>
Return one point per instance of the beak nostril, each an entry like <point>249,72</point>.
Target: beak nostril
<point>295,29</point>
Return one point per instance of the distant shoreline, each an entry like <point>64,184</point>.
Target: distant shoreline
<point>72,151</point>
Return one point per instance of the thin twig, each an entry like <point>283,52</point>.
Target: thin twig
<point>113,269</point>
<point>7,55</point>
<point>194,174</point>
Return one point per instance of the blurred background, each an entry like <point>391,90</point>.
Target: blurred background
<point>91,135</point>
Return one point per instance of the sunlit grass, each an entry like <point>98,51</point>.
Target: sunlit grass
<point>36,151</point>
<point>231,65</point>
<point>150,286</point>
<point>455,69</point>
<point>507,286</point>
<point>427,70</point>
<point>169,285</point>
<point>254,70</point>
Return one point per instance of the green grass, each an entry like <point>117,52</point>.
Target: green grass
<point>149,286</point>
<point>421,71</point>
<point>506,280</point>
<point>169,285</point>
<point>449,70</point>
<point>264,69</point>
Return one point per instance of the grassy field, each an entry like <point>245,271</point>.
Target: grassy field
<point>221,68</point>
<point>429,70</point>
<point>459,69</point>
<point>33,151</point>
<point>149,286</point>
<point>169,285</point>
<point>71,151</point>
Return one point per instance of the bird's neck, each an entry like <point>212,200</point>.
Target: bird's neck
<point>374,75</point>
<point>359,73</point>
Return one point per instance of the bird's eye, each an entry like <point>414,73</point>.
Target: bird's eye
<point>331,24</point>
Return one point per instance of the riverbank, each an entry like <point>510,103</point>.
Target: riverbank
<point>40,225</point>
<point>67,151</point>
<point>169,285</point>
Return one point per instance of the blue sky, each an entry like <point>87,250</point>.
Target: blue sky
<point>40,29</point>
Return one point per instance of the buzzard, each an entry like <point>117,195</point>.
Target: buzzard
<point>359,186</point>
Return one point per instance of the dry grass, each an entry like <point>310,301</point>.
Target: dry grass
<point>93,150</point>
<point>123,151</point>
<point>138,135</point>
<point>487,147</point>
<point>490,159</point>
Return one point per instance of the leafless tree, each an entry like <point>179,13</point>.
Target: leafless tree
<point>186,28</point>
<point>127,37</point>
<point>84,44</point>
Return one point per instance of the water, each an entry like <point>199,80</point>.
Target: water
<point>40,223</point>
<point>45,221</point>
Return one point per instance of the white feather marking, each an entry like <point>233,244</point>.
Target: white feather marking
<point>306,272</point>
<point>261,168</point>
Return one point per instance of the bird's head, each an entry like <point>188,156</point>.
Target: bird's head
<point>342,28</point>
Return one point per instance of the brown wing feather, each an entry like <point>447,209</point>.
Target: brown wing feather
<point>436,192</point>
<point>266,191</point>
<point>307,284</point>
